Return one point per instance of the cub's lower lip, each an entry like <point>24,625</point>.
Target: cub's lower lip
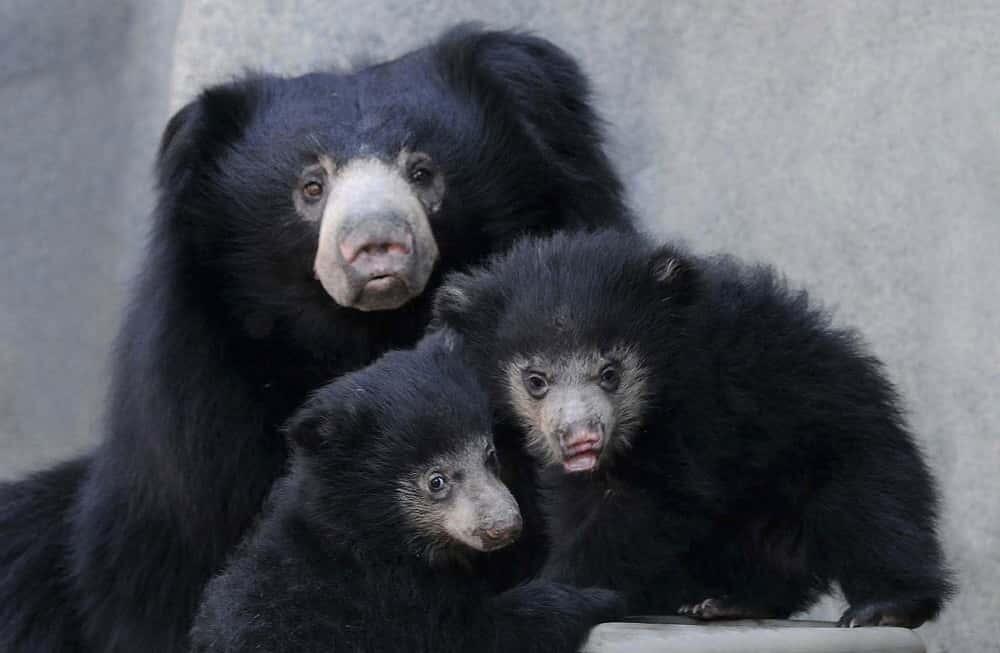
<point>580,462</point>
<point>584,457</point>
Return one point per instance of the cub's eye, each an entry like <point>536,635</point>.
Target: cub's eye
<point>492,462</point>
<point>312,190</point>
<point>421,175</point>
<point>437,483</point>
<point>610,378</point>
<point>536,384</point>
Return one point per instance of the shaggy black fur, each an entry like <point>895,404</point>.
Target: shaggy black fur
<point>771,458</point>
<point>338,562</point>
<point>228,331</point>
<point>34,532</point>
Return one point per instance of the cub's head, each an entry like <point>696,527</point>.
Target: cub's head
<point>573,332</point>
<point>295,197</point>
<point>401,454</point>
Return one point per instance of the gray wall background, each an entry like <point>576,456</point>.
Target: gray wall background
<point>854,144</point>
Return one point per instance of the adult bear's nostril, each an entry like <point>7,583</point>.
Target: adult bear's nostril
<point>380,249</point>
<point>373,248</point>
<point>375,258</point>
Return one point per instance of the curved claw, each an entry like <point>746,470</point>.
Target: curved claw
<point>905,614</point>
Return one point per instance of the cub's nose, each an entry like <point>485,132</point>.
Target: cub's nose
<point>499,535</point>
<point>376,246</point>
<point>581,436</point>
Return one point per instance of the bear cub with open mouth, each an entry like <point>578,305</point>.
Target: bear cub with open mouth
<point>711,444</point>
<point>368,543</point>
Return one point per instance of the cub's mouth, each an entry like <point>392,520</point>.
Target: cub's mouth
<point>581,447</point>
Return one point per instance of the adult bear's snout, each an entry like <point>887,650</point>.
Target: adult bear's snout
<point>376,250</point>
<point>375,245</point>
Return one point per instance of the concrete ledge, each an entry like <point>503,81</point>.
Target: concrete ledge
<point>681,635</point>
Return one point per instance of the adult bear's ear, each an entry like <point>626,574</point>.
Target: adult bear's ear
<point>676,273</point>
<point>198,131</point>
<point>526,80</point>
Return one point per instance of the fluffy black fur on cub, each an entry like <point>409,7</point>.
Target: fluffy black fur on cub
<point>366,545</point>
<point>300,225</point>
<point>712,443</point>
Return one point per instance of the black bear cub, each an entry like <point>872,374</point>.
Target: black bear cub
<point>712,444</point>
<point>368,542</point>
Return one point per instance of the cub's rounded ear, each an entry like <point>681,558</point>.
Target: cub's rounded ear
<point>329,416</point>
<point>676,273</point>
<point>305,429</point>
<point>313,422</point>
<point>456,303</point>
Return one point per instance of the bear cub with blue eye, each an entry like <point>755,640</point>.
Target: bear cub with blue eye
<point>711,443</point>
<point>370,541</point>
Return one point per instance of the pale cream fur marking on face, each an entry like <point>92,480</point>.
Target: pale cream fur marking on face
<point>373,187</point>
<point>476,500</point>
<point>575,392</point>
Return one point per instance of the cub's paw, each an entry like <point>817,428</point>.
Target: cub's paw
<point>722,608</point>
<point>907,613</point>
<point>585,607</point>
<point>602,604</point>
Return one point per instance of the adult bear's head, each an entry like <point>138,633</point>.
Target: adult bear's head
<point>334,191</point>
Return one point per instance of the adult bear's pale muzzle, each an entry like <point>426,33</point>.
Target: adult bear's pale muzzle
<point>376,250</point>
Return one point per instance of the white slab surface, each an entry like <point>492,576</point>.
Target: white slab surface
<point>678,635</point>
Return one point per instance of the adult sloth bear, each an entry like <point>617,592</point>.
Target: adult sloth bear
<point>367,544</point>
<point>713,445</point>
<point>300,225</point>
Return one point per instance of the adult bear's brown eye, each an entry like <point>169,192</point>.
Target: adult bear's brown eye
<point>312,190</point>
<point>536,384</point>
